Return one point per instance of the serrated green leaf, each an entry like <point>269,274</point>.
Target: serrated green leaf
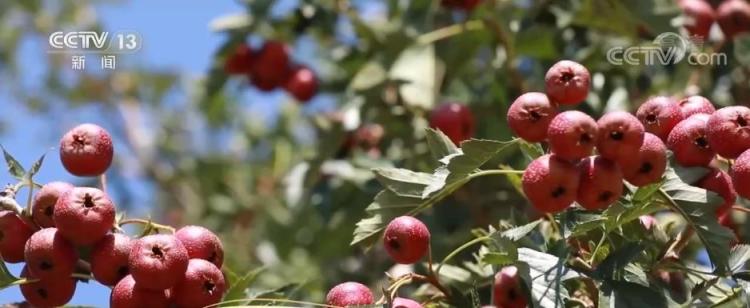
<point>738,257</point>
<point>277,293</point>
<point>530,150</point>
<point>617,260</point>
<point>406,183</point>
<point>14,167</point>
<point>475,153</point>
<point>239,286</point>
<point>519,232</point>
<point>545,271</point>
<point>635,274</point>
<point>6,278</point>
<point>35,166</point>
<point>440,145</point>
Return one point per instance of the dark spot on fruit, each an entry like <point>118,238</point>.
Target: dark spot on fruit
<point>512,295</point>
<point>393,243</point>
<point>157,252</point>
<point>88,201</point>
<point>586,138</point>
<point>557,192</point>
<point>45,266</point>
<point>209,286</point>
<point>122,271</point>
<point>651,119</point>
<point>605,196</point>
<point>701,142</point>
<point>616,135</point>
<point>567,77</point>
<point>1,236</point>
<point>535,116</point>
<point>49,211</point>
<point>42,293</point>
<point>212,257</point>
<point>645,168</point>
<point>741,121</point>
<point>78,140</point>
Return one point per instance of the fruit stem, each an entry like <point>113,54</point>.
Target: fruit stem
<point>244,302</point>
<point>741,209</point>
<point>683,238</point>
<point>494,172</point>
<point>103,182</point>
<point>147,223</point>
<point>458,250</point>
<point>8,201</point>
<point>446,32</point>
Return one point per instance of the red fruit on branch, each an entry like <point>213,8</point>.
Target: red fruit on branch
<point>302,84</point>
<point>271,66</point>
<point>406,239</point>
<point>695,104</point>
<point>400,302</point>
<point>240,60</point>
<point>699,16</point>
<point>572,135</point>
<point>659,115</point>
<point>84,215</point>
<point>349,294</point>
<point>567,82</point>
<point>86,150</point>
<point>43,206</point>
<point>740,173</point>
<point>14,232</point>
<point>47,292</point>
<point>733,17</point>
<point>601,183</point>
<point>201,243</point>
<point>109,258</point>
<point>720,182</point>
<point>507,291</point>
<point>620,135</point>
<point>202,285</point>
<point>455,120</point>
<point>649,165</point>
<point>157,262</point>
<point>550,183</point>
<point>689,142</point>
<point>529,116</point>
<point>728,131</point>
<point>49,255</point>
<point>128,294</point>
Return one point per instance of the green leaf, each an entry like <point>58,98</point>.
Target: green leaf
<point>440,145</point>
<point>419,68</point>
<point>239,285</point>
<point>35,166</point>
<point>545,271</point>
<point>738,257</point>
<point>617,260</point>
<point>6,278</point>
<point>277,293</point>
<point>607,15</point>
<point>455,274</point>
<point>14,167</point>
<point>631,295</point>
<point>475,153</point>
<point>517,233</point>
<point>369,76</point>
<point>406,183</point>
<point>530,150</point>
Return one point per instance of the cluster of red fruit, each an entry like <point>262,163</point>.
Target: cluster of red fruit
<point>733,17</point>
<point>407,240</point>
<point>270,68</point>
<point>629,147</point>
<point>466,5</point>
<point>158,270</point>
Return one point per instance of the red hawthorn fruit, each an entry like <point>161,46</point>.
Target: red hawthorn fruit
<point>109,258</point>
<point>86,150</point>
<point>466,5</point>
<point>302,84</point>
<point>529,116</point>
<point>201,243</point>
<point>572,135</point>
<point>47,292</point>
<point>349,294</point>
<point>740,173</point>
<point>400,302</point>
<point>601,183</point>
<point>550,183</point>
<point>659,115</point>
<point>240,61</point>
<point>14,232</point>
<point>720,182</point>
<point>84,215</point>
<point>689,143</point>
<point>733,17</point>
<point>728,131</point>
<point>507,291</point>
<point>695,104</point>
<point>157,262</point>
<point>43,206</point>
<point>567,82</point>
<point>49,255</point>
<point>202,285</point>
<point>271,66</point>
<point>620,135</point>
<point>700,16</point>
<point>406,239</point>
<point>649,165</point>
<point>127,294</point>
<point>455,120</point>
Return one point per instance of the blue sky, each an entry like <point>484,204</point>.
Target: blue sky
<point>175,36</point>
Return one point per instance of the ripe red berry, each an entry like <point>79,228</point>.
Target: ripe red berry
<point>620,135</point>
<point>400,302</point>
<point>240,60</point>
<point>201,243</point>
<point>659,115</point>
<point>202,285</point>
<point>271,66</point>
<point>157,262</point>
<point>601,183</point>
<point>47,292</point>
<point>109,258</point>
<point>128,294</point>
<point>721,183</point>
<point>695,104</point>
<point>733,17</point>
<point>302,84</point>
<point>572,135</point>
<point>728,131</point>
<point>567,82</point>
<point>689,143</point>
<point>43,207</point>
<point>740,173</point>
<point>466,5</point>
<point>699,17</point>
<point>349,294</point>
<point>406,239</point>
<point>507,291</point>
<point>14,232</point>
<point>86,150</point>
<point>550,183</point>
<point>455,120</point>
<point>84,215</point>
<point>49,256</point>
<point>649,165</point>
<point>529,116</point>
